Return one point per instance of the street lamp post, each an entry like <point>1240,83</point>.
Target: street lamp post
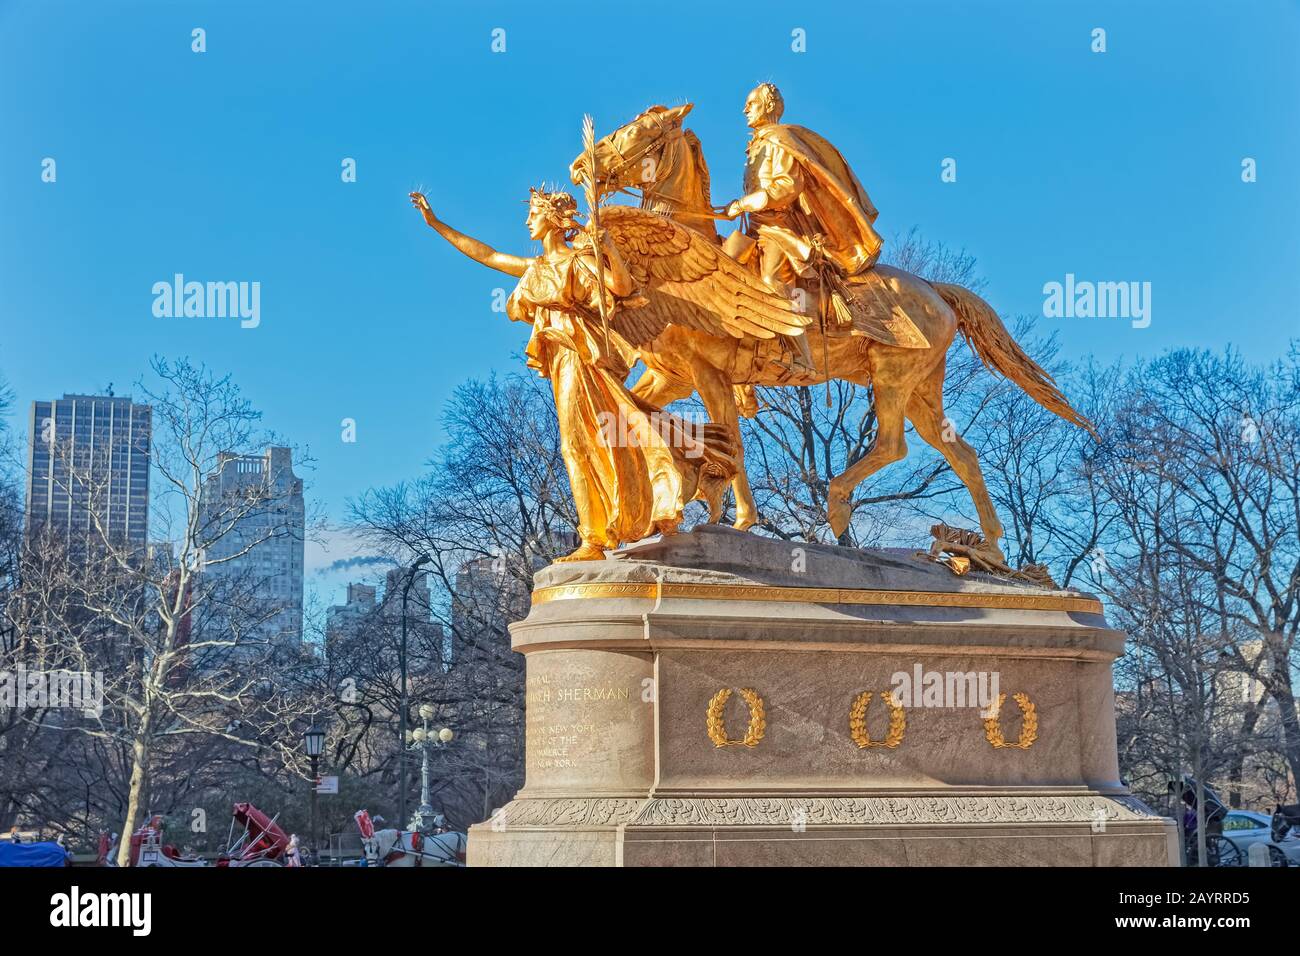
<point>425,739</point>
<point>415,566</point>
<point>314,744</point>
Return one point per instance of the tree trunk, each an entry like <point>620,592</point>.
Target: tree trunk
<point>1285,697</point>
<point>1201,853</point>
<point>1237,769</point>
<point>135,796</point>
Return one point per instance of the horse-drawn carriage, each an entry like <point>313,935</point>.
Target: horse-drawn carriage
<point>1219,850</point>
<point>1284,819</point>
<point>261,843</point>
<point>409,847</point>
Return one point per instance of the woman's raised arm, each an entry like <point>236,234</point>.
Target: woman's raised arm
<point>478,251</point>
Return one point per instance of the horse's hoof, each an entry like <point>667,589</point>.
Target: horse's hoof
<point>744,524</point>
<point>839,516</point>
<point>838,511</point>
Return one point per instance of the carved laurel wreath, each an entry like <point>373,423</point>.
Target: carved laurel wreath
<point>717,726</point>
<point>858,721</point>
<point>1028,723</point>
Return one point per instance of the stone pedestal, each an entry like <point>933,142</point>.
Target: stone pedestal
<point>701,700</point>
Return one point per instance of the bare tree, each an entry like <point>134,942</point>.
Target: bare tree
<point>181,652</point>
<point>1224,440</point>
<point>493,508</point>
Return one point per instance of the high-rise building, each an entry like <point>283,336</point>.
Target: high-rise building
<point>88,467</point>
<point>417,598</point>
<point>377,625</point>
<point>489,594</point>
<point>486,597</point>
<point>425,640</point>
<point>344,621</point>
<point>1240,686</point>
<point>253,539</point>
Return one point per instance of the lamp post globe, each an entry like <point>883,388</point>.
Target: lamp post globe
<point>426,738</point>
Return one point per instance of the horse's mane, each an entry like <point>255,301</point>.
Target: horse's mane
<point>697,150</point>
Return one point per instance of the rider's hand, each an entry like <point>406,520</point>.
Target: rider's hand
<point>733,209</point>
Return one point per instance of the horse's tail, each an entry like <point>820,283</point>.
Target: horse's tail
<point>991,341</point>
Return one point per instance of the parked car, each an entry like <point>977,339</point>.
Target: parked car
<point>1246,828</point>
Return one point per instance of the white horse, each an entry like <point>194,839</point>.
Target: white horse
<point>409,847</point>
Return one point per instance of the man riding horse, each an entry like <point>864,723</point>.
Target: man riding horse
<point>810,216</point>
<point>806,207</point>
<point>900,327</point>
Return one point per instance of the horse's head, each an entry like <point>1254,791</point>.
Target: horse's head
<point>377,847</point>
<point>629,156</point>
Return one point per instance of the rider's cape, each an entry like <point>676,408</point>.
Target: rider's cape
<point>843,213</point>
<point>832,197</point>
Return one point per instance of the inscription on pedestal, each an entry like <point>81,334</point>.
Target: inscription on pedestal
<point>556,743</point>
<point>579,715</point>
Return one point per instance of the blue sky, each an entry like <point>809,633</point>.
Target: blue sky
<point>225,165</point>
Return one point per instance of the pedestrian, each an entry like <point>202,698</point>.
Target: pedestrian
<point>293,856</point>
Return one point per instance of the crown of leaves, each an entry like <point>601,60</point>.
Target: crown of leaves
<point>559,205</point>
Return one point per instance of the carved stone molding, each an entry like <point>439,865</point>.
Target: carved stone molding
<point>566,812</point>
<point>585,812</point>
<point>892,811</point>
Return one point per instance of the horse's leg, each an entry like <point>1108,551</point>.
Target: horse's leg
<point>889,446</point>
<point>925,409</point>
<point>720,402</point>
<point>660,389</point>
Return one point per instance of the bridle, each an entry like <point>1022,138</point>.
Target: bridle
<point>649,195</point>
<point>625,161</point>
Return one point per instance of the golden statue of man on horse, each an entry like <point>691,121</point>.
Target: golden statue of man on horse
<point>811,220</point>
<point>798,187</point>
<point>795,296</point>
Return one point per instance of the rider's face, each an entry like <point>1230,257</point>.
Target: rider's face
<point>754,112</point>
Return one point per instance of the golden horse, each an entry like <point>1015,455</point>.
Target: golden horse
<point>655,155</point>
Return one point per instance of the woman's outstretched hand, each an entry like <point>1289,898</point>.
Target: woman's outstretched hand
<point>422,204</point>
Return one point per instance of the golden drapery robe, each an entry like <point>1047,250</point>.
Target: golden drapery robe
<point>811,191</point>
<point>632,467</point>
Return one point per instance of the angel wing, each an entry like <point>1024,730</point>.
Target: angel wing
<point>686,279</point>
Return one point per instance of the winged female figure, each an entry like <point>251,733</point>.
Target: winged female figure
<point>632,466</point>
